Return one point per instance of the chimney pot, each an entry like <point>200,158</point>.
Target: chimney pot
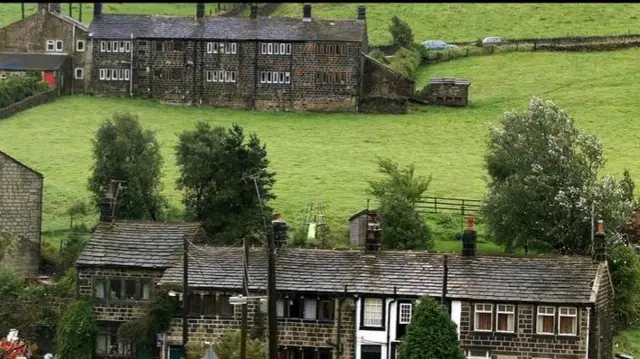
<point>306,12</point>
<point>362,13</point>
<point>254,11</point>
<point>200,10</point>
<point>279,231</point>
<point>469,239</point>
<point>97,10</point>
<point>599,250</point>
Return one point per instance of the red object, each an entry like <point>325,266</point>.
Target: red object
<point>600,228</point>
<point>13,350</point>
<point>470,222</point>
<point>50,78</point>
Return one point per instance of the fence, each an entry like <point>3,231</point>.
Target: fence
<point>464,207</point>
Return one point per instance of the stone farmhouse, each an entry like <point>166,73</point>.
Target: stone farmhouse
<point>20,215</point>
<point>265,63</point>
<point>356,304</point>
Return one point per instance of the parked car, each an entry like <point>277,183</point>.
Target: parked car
<point>492,40</point>
<point>437,45</point>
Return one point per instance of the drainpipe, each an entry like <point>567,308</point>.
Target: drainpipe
<point>338,343</point>
<point>131,68</point>
<point>586,341</point>
<point>395,296</point>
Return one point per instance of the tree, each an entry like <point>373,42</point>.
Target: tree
<point>398,193</point>
<point>431,334</point>
<point>401,33</point>
<point>544,183</point>
<point>625,275</point>
<point>228,346</point>
<point>122,150</point>
<point>76,331</point>
<point>217,169</point>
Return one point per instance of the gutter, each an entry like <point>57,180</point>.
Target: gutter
<point>586,342</point>
<point>395,296</point>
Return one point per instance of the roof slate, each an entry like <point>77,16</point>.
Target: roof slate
<point>31,61</point>
<point>561,280</point>
<point>141,244</point>
<point>121,26</point>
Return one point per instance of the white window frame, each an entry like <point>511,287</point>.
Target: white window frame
<point>120,75</point>
<point>103,46</point>
<point>121,46</point>
<point>127,46</point>
<point>275,77</point>
<point>369,319</point>
<point>402,311</point>
<point>75,73</point>
<point>220,76</point>
<point>545,313</point>
<point>287,77</point>
<point>482,308</point>
<point>103,74</point>
<point>263,77</point>
<point>214,76</point>
<point>263,48</point>
<point>221,48</point>
<point>283,49</point>
<point>233,76</point>
<point>215,48</point>
<point>51,45</point>
<point>209,75</point>
<point>209,47</point>
<point>276,48</point>
<point>59,48</point>
<point>233,47</point>
<point>486,355</point>
<point>227,76</point>
<point>567,315</point>
<point>269,76</point>
<point>280,77</point>
<point>270,48</point>
<point>107,74</point>
<point>108,48</point>
<point>126,74</point>
<point>114,46</point>
<point>504,310</point>
<point>288,49</point>
<point>78,42</point>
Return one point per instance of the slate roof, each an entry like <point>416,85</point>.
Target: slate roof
<point>121,26</point>
<point>22,61</point>
<point>549,279</point>
<point>449,80</point>
<point>140,244</point>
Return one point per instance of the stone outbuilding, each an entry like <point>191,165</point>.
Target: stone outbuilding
<point>55,70</point>
<point>20,215</point>
<point>446,92</point>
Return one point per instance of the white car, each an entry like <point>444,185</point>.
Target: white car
<point>492,40</point>
<point>437,45</point>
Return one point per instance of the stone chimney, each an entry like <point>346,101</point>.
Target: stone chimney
<point>200,10</point>
<point>279,230</point>
<point>97,10</point>
<point>599,251</point>
<point>254,10</point>
<point>373,236</point>
<point>362,13</point>
<point>306,13</point>
<point>108,203</point>
<point>469,239</point>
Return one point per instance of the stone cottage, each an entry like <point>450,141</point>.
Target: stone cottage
<point>20,215</point>
<point>265,63</point>
<point>51,33</point>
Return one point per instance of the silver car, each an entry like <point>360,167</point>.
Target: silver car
<point>492,40</point>
<point>437,45</point>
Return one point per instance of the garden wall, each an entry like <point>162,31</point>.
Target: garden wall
<point>27,103</point>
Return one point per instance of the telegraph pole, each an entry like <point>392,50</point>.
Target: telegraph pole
<point>185,292</point>
<point>245,285</point>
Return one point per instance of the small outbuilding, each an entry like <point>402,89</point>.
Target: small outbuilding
<point>55,69</point>
<point>358,224</point>
<point>446,92</point>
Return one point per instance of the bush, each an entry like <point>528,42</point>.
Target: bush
<point>76,331</point>
<point>17,88</point>
<point>406,61</point>
<point>401,33</point>
<point>625,274</point>
<point>378,55</point>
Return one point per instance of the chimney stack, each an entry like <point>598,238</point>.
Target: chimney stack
<point>469,239</point>
<point>254,10</point>
<point>362,13</point>
<point>306,13</point>
<point>279,230</point>
<point>373,237</point>
<point>200,10</point>
<point>106,208</point>
<point>599,252</point>
<point>97,10</point>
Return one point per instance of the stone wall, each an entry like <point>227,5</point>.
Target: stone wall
<point>384,105</point>
<point>19,254</point>
<point>21,210</point>
<point>29,102</point>
<point>446,94</point>
<point>524,343</point>
<point>602,326</point>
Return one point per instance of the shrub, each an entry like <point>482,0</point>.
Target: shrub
<point>400,32</point>
<point>625,274</point>
<point>378,55</point>
<point>76,331</point>
<point>406,61</point>
<point>16,88</point>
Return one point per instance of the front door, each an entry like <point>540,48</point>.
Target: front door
<point>50,79</point>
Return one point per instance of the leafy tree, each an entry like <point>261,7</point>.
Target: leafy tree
<point>122,150</point>
<point>543,183</point>
<point>78,209</point>
<point>76,331</point>
<point>431,334</point>
<point>401,33</point>
<point>73,246</point>
<point>228,346</point>
<point>398,193</point>
<point>217,169</point>
<point>625,275</point>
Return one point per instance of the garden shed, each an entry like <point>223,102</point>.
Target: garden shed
<point>358,226</point>
<point>55,69</point>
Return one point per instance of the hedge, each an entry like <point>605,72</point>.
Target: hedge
<point>16,88</point>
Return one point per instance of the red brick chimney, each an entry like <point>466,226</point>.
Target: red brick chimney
<point>469,239</point>
<point>599,251</point>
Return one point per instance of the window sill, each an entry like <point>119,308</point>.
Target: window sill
<point>214,316</point>
<point>306,321</point>
<point>372,328</point>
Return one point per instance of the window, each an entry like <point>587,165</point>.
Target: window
<point>405,313</point>
<point>220,76</point>
<point>146,285</point>
<point>80,45</point>
<point>483,315</point>
<point>281,77</point>
<point>288,49</point>
<point>209,47</point>
<point>98,284</point>
<point>233,48</point>
<point>215,76</point>
<point>214,47</point>
<point>108,74</point>
<point>227,76</point>
<point>195,303</point>
<point>225,308</point>
<point>103,46</point>
<point>159,46</point>
<point>79,73</point>
<point>505,318</point>
<point>108,46</point>
<point>59,45</point>
<point>373,312</point>
<point>567,321</point>
<point>283,48</point>
<point>270,49</point>
<point>158,74</point>
<point>209,304</point>
<point>263,77</point>
<point>371,351</point>
<point>115,286</point>
<point>114,46</point>
<point>107,343</point>
<point>121,46</point>
<point>209,75</point>
<point>310,308</point>
<point>51,45</point>
<point>221,47</point>
<point>177,46</point>
<point>263,48</point>
<point>127,46</point>
<point>129,284</point>
<point>546,316</point>
<point>479,354</point>
<point>126,74</point>
<point>287,77</point>
<point>118,288</point>
<point>325,310</point>
<point>276,49</point>
<point>233,76</point>
<point>269,77</point>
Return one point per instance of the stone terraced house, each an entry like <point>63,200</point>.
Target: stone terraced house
<point>264,63</point>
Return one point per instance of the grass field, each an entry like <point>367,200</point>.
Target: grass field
<point>428,21</point>
<point>329,158</point>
